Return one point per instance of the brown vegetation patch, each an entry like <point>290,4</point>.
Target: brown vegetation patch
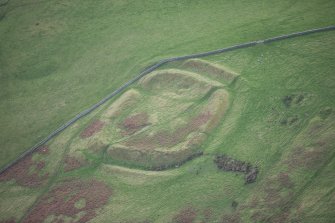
<point>231,218</point>
<point>61,200</point>
<point>92,129</point>
<point>199,120</point>
<point>227,163</point>
<point>169,139</point>
<point>11,220</point>
<point>207,215</point>
<point>27,172</point>
<point>275,195</point>
<point>265,216</point>
<point>97,147</point>
<point>134,123</point>
<point>285,180</point>
<point>40,165</point>
<point>272,196</point>
<point>280,218</point>
<point>72,163</point>
<point>186,215</point>
<point>44,150</point>
<point>307,158</point>
<point>136,221</point>
<point>274,204</point>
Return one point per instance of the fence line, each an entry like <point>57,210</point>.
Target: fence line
<point>150,69</point>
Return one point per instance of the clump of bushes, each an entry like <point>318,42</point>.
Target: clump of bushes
<point>226,163</point>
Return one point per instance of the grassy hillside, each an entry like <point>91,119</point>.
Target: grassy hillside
<point>59,57</point>
<point>276,112</point>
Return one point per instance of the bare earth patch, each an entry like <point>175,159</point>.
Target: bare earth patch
<point>92,129</point>
<point>62,201</point>
<point>28,172</point>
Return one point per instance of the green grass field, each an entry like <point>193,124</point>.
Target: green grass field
<point>59,57</point>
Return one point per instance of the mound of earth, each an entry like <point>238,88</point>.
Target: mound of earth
<point>213,70</point>
<point>162,122</point>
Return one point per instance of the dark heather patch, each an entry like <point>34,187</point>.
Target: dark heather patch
<point>44,150</point>
<point>134,123</point>
<point>28,172</point>
<point>285,180</point>
<point>169,139</point>
<point>11,220</point>
<point>273,205</point>
<point>281,217</point>
<point>61,200</point>
<point>72,163</point>
<point>207,215</point>
<point>309,158</point>
<point>231,218</point>
<point>92,129</point>
<point>186,215</point>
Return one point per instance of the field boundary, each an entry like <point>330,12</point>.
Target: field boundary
<point>149,70</point>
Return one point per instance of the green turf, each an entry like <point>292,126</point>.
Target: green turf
<point>80,51</point>
<point>59,57</point>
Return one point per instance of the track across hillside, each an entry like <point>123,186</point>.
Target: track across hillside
<point>152,68</point>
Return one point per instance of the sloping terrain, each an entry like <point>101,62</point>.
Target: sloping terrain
<point>244,136</point>
<point>59,57</point>
<point>160,124</point>
<point>155,153</point>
